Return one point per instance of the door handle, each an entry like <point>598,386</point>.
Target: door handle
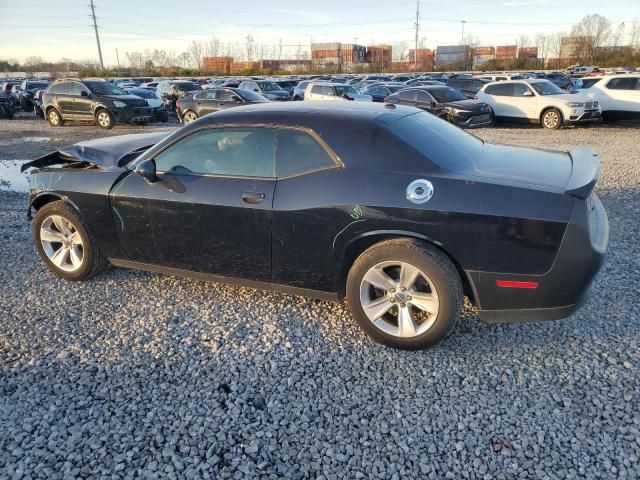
<point>253,197</point>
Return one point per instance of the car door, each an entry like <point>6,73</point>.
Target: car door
<point>426,102</point>
<point>623,96</point>
<point>524,103</point>
<point>499,99</point>
<point>226,98</point>
<point>407,97</point>
<point>63,98</point>
<point>211,208</point>
<point>205,102</point>
<point>303,218</point>
<point>82,102</point>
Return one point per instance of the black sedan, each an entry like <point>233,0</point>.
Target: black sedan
<point>191,107</point>
<point>379,92</point>
<point>446,103</point>
<point>389,207</point>
<point>27,92</point>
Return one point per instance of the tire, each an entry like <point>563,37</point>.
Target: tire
<point>437,285</point>
<point>49,226</point>
<point>189,116</point>
<point>551,119</point>
<point>104,119</point>
<point>54,118</point>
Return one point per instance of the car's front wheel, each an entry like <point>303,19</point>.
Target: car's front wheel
<point>54,117</point>
<point>552,119</point>
<point>405,294</point>
<point>189,116</point>
<point>64,244</point>
<point>105,119</point>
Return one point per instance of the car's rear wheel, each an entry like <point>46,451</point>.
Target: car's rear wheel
<point>54,117</point>
<point>64,244</point>
<point>405,294</point>
<point>189,116</point>
<point>104,119</point>
<point>552,119</point>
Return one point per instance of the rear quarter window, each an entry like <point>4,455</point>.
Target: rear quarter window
<point>447,146</point>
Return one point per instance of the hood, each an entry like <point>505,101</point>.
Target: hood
<point>103,152</point>
<point>132,100</point>
<point>468,105</point>
<point>361,97</point>
<point>154,102</point>
<point>276,93</point>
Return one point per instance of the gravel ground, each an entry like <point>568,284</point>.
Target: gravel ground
<point>141,375</point>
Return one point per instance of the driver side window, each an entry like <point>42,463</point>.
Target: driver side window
<point>236,152</point>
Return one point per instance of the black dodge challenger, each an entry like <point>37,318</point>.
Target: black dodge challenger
<point>390,207</point>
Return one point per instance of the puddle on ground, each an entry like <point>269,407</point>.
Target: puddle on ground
<point>14,141</point>
<point>11,179</point>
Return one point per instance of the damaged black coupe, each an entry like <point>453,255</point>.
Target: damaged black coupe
<point>394,210</point>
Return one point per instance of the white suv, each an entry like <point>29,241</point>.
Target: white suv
<point>334,91</point>
<point>538,101</point>
<point>618,96</point>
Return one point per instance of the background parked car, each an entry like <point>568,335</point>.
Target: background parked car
<point>468,86</point>
<point>447,103</point>
<point>211,100</point>
<point>171,90</point>
<point>37,103</point>
<point>617,95</point>
<point>298,90</point>
<point>267,88</point>
<point>158,108</point>
<point>287,85</point>
<point>322,91</point>
<point>379,92</point>
<point>28,88</point>
<point>7,108</point>
<point>560,79</point>
<point>92,100</point>
<point>538,101</point>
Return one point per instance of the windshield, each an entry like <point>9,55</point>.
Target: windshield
<point>34,85</point>
<point>448,146</point>
<point>269,86</point>
<point>547,88</point>
<point>342,89</point>
<point>443,95</point>
<point>250,96</point>
<point>143,93</point>
<point>104,88</point>
<point>185,86</point>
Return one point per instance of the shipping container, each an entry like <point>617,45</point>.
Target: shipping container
<point>506,51</point>
<point>483,51</point>
<point>453,49</point>
<point>528,52</point>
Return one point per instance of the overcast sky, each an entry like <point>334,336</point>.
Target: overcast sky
<point>55,29</point>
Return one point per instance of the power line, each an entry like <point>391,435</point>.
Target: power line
<point>95,27</point>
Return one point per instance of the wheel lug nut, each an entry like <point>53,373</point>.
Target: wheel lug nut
<point>393,290</point>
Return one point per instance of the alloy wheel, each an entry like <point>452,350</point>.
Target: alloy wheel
<point>54,118</point>
<point>104,120</point>
<point>62,243</point>
<point>399,299</point>
<point>551,119</point>
<point>190,117</point>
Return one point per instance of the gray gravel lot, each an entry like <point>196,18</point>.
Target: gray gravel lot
<point>141,375</point>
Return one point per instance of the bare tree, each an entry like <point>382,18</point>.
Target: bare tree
<point>279,48</point>
<point>213,47</point>
<point>399,51</point>
<point>592,31</point>
<point>554,42</point>
<point>195,51</point>
<point>249,47</point>
<point>634,34</point>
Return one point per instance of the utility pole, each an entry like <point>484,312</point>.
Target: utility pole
<point>415,51</point>
<point>118,61</point>
<point>462,35</point>
<point>95,27</point>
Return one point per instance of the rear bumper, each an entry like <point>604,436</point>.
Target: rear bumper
<point>564,288</point>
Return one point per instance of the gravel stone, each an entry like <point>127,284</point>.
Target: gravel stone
<point>134,374</point>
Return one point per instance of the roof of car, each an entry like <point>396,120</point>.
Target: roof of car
<point>301,113</point>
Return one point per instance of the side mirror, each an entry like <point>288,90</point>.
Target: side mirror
<point>84,93</point>
<point>433,104</point>
<point>528,93</point>
<point>147,170</point>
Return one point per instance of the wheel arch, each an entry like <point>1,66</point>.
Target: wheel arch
<point>357,245</point>
<point>551,107</point>
<point>44,198</point>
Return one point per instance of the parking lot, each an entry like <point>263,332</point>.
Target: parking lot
<point>137,374</point>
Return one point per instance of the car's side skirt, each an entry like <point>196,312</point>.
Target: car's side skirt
<point>210,277</point>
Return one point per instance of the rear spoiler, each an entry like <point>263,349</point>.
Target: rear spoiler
<point>585,172</point>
